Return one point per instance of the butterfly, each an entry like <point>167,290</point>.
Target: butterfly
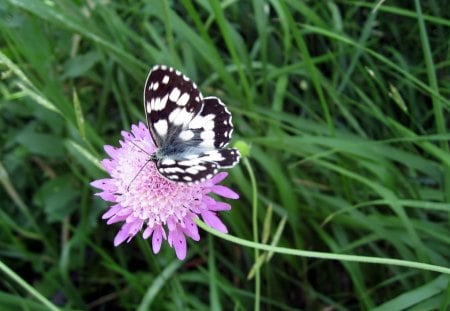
<point>190,131</point>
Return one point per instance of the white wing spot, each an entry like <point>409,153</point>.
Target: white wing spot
<point>174,94</point>
<point>180,116</point>
<point>155,86</point>
<point>177,73</point>
<point>206,135</point>
<point>173,169</point>
<point>187,178</point>
<point>190,162</point>
<point>148,107</point>
<point>152,103</point>
<point>165,80</point>
<point>161,127</point>
<point>162,103</point>
<point>207,143</point>
<point>182,101</point>
<point>167,161</point>
<point>186,135</point>
<point>209,125</point>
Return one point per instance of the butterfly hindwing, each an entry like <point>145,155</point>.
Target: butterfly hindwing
<point>187,170</point>
<point>214,123</point>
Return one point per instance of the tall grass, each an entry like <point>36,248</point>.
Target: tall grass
<point>345,192</point>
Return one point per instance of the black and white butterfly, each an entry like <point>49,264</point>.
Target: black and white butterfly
<point>190,132</point>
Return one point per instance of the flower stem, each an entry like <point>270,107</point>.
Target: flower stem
<point>255,231</point>
<point>323,255</point>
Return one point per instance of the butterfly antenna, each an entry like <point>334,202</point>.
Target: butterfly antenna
<point>137,174</point>
<point>140,148</point>
<point>143,166</point>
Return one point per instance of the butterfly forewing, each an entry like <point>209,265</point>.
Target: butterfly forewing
<point>171,101</point>
<point>189,131</point>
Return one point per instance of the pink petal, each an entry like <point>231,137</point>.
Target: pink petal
<point>191,229</point>
<point>147,232</point>
<point>219,177</point>
<point>110,150</point>
<point>122,235</point>
<point>157,239</point>
<point>142,131</point>
<point>108,165</point>
<point>224,191</point>
<point>125,212</point>
<point>107,196</point>
<point>214,205</point>
<point>116,218</point>
<point>127,135</point>
<point>113,209</point>
<point>135,227</point>
<point>178,242</point>
<point>220,206</point>
<point>171,224</point>
<point>214,222</point>
<point>105,184</point>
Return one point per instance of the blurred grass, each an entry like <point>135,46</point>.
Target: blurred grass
<point>345,106</point>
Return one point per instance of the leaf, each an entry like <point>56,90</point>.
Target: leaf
<point>41,144</point>
<point>56,197</point>
<point>79,65</point>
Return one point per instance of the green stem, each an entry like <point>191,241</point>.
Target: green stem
<point>255,231</point>
<point>323,255</point>
<point>21,282</point>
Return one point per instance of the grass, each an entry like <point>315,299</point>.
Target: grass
<point>345,190</point>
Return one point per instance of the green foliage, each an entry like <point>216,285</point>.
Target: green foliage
<point>341,106</point>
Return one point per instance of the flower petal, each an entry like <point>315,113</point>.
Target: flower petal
<point>178,242</point>
<point>214,205</point>
<point>219,177</point>
<point>191,229</point>
<point>108,165</point>
<point>224,191</point>
<point>147,232</point>
<point>111,151</point>
<point>157,239</point>
<point>107,196</point>
<point>122,235</point>
<point>214,222</point>
<point>116,218</point>
<point>220,206</point>
<point>105,184</point>
<point>135,227</point>
<point>113,209</point>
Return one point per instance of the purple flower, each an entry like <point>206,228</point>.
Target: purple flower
<point>144,200</point>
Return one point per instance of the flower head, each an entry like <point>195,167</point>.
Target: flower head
<point>146,201</point>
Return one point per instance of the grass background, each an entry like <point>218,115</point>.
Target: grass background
<point>344,105</point>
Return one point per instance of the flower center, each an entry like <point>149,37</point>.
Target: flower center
<point>150,196</point>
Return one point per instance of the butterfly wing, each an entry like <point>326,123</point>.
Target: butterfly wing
<point>213,125</point>
<point>171,101</point>
<point>199,168</point>
<point>189,131</point>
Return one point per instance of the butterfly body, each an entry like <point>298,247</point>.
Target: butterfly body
<point>190,132</point>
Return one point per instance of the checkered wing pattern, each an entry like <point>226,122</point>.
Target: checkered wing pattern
<point>190,131</point>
